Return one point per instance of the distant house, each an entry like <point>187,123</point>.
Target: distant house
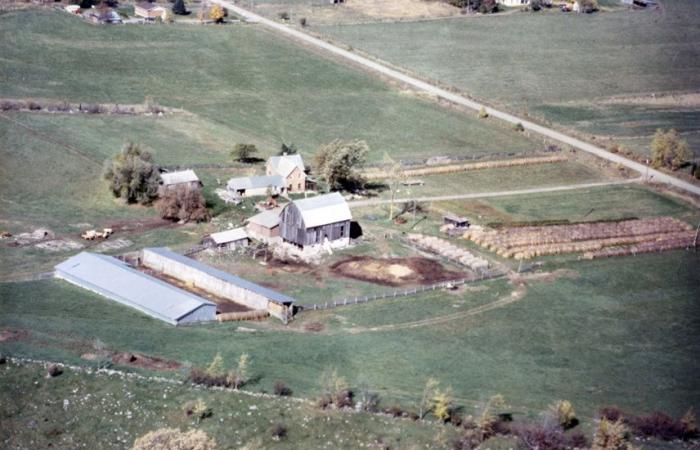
<point>149,11</point>
<point>102,15</point>
<point>291,168</point>
<point>256,186</point>
<point>513,3</point>
<point>324,219</point>
<point>73,9</point>
<point>180,179</point>
<point>228,239</point>
<point>266,225</point>
<point>456,221</point>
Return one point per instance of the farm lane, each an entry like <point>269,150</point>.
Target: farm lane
<point>653,174</point>
<point>570,187</point>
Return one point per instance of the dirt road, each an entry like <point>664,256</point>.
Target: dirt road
<point>654,175</point>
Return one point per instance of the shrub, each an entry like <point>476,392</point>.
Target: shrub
<point>610,435</point>
<point>33,106</point>
<point>564,414</point>
<point>519,127</point>
<point>302,22</point>
<point>483,114</point>
<point>3,359</point>
<point>237,378</point>
<point>198,410</point>
<point>611,413</point>
<point>278,431</point>
<point>63,106</point>
<point>696,171</point>
<point>284,15</point>
<point>217,14</point>
<point>578,440</point>
<point>9,105</point>
<point>282,389</point>
<point>690,427</point>
<point>179,8</point>
<point>543,436</point>
<point>199,376</point>
<point>53,371</point>
<point>243,152</point>
<point>658,425</point>
<point>335,390</point>
<point>183,204</point>
<point>173,439</point>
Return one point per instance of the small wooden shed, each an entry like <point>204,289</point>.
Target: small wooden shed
<point>229,239</point>
<point>456,221</point>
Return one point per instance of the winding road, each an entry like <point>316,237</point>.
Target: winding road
<point>651,174</point>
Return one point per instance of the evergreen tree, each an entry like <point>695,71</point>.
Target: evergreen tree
<point>179,8</point>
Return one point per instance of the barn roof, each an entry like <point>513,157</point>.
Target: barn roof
<point>229,278</point>
<point>323,209</point>
<point>257,182</point>
<point>267,219</point>
<point>285,164</point>
<point>224,237</point>
<point>183,176</point>
<point>115,279</point>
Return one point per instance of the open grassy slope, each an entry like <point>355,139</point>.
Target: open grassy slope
<point>590,337</point>
<point>262,87</point>
<point>557,66</point>
<point>110,412</point>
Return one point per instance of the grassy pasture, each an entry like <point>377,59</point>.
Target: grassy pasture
<point>112,411</point>
<point>556,66</point>
<point>594,339</point>
<point>263,88</point>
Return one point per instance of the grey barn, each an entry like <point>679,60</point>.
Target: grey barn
<point>316,220</point>
<point>116,280</point>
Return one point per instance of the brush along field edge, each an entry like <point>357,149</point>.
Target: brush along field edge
<point>652,174</point>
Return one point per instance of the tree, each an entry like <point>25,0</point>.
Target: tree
<point>611,435</point>
<point>442,405</point>
<point>337,161</point>
<point>588,6</point>
<point>429,392</point>
<point>86,4</point>
<point>174,439</point>
<point>217,13</point>
<point>183,204</point>
<point>243,152</point>
<point>216,367</point>
<point>287,149</point>
<point>179,8</point>
<point>669,150</point>
<point>132,175</point>
<point>563,412</point>
<point>238,377</point>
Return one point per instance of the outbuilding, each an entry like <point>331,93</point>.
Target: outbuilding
<point>456,221</point>
<point>266,225</point>
<point>218,282</point>
<point>149,10</point>
<point>320,220</point>
<point>116,280</point>
<point>229,239</point>
<point>256,186</point>
<point>182,179</point>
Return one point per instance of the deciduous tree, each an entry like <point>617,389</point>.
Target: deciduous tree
<point>243,152</point>
<point>337,163</point>
<point>132,175</point>
<point>668,149</point>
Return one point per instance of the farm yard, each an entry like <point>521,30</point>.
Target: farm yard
<point>652,54</point>
<point>602,312</point>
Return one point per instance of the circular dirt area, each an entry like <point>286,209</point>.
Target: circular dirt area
<point>395,271</point>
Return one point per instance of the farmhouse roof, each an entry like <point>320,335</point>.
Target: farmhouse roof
<point>113,278</point>
<point>224,237</point>
<point>224,276</point>
<point>182,176</point>
<point>285,164</point>
<point>267,219</point>
<point>148,6</point>
<point>257,182</point>
<point>323,209</point>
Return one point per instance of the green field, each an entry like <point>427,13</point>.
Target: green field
<point>595,339</point>
<point>262,88</point>
<point>112,411</point>
<point>560,67</point>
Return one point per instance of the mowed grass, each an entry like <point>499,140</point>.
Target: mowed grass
<point>552,65</point>
<point>263,88</point>
<point>593,338</point>
<point>111,411</point>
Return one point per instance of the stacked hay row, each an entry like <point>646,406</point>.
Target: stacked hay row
<point>256,314</point>
<point>380,175</point>
<point>670,242</point>
<point>532,241</point>
<point>448,250</point>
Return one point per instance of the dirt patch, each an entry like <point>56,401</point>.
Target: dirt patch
<point>315,327</point>
<point>139,226</point>
<point>395,271</point>
<point>144,361</point>
<point>59,245</point>
<point>114,244</point>
<point>13,335</point>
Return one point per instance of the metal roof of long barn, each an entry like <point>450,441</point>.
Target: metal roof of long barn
<point>115,279</point>
<point>323,209</point>
<point>225,276</point>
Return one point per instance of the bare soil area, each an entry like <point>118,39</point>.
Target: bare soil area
<point>395,271</point>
